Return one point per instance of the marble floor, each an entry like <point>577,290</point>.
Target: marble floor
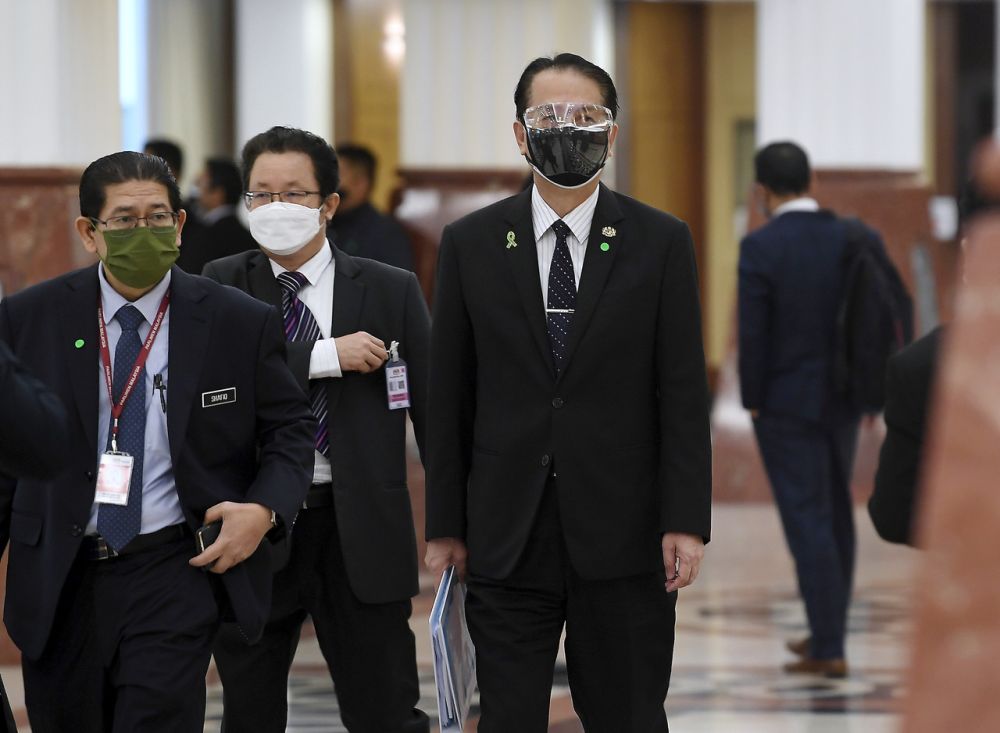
<point>731,629</point>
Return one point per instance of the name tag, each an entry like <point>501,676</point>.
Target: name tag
<point>114,474</point>
<point>397,385</point>
<point>218,397</point>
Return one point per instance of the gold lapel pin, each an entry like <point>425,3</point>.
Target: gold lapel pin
<point>510,240</point>
<point>608,231</point>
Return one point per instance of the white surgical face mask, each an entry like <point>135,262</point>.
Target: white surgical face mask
<point>283,229</point>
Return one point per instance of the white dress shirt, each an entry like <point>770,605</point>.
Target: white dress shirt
<point>803,203</point>
<point>578,221</point>
<point>317,296</point>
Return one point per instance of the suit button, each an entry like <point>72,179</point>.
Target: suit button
<point>558,402</point>
<point>89,475</point>
<point>545,460</point>
<point>76,530</point>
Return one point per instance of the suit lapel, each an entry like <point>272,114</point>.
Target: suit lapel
<point>79,323</point>
<point>522,258</point>
<point>348,299</point>
<point>260,281</point>
<point>190,323</point>
<point>597,264</point>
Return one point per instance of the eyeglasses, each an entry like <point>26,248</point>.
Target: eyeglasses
<point>156,220</point>
<point>555,115</point>
<point>259,198</point>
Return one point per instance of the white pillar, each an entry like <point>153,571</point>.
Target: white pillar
<point>284,66</point>
<point>845,79</point>
<point>185,85</point>
<point>463,60</point>
<point>59,86</point>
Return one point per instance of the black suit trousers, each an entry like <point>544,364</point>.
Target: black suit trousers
<point>369,648</point>
<point>129,649</point>
<point>619,640</point>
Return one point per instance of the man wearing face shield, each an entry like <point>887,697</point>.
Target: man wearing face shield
<point>351,323</point>
<point>182,413</point>
<point>569,456</point>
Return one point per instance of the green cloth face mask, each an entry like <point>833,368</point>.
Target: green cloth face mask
<point>140,257</point>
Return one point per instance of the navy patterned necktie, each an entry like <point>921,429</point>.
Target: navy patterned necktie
<point>561,301</point>
<point>301,326</point>
<point>119,524</point>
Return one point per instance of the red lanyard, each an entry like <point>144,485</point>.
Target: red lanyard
<point>140,362</point>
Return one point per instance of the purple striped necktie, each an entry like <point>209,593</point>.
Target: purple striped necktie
<point>301,326</point>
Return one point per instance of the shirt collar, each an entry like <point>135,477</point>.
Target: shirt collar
<point>148,304</point>
<point>578,220</point>
<point>803,203</point>
<point>313,267</point>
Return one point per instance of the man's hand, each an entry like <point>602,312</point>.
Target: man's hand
<point>682,555</point>
<point>444,552</point>
<point>243,527</point>
<point>360,352</point>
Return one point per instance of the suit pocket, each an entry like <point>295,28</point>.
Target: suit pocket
<point>25,528</point>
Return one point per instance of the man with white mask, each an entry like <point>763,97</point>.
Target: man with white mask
<point>358,337</point>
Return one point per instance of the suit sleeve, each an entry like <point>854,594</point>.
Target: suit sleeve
<point>32,422</point>
<point>416,353</point>
<point>685,440</point>
<point>285,428</point>
<point>451,406</point>
<point>754,315</point>
<point>891,506</point>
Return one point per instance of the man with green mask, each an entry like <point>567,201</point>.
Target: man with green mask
<point>182,414</point>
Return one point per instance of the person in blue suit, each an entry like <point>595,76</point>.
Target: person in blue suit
<point>790,284</point>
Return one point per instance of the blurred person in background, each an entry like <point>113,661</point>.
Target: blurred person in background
<point>220,190</point>
<point>358,228</point>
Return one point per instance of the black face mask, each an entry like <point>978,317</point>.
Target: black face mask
<point>568,156</point>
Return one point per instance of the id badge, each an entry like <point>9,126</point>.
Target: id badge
<point>397,384</point>
<point>114,474</point>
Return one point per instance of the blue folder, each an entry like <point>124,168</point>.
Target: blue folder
<point>454,654</point>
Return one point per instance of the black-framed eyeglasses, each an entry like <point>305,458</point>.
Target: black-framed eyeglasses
<point>259,198</point>
<point>156,220</point>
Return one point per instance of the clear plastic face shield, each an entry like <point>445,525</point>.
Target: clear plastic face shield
<point>568,142</point>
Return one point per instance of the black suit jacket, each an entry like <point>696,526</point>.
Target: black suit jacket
<point>626,423</point>
<point>908,385</point>
<point>32,419</point>
<point>367,232</point>
<point>258,448</point>
<point>367,440</point>
<point>207,242</point>
<point>790,285</point>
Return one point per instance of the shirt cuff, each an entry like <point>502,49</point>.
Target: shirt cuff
<point>324,361</point>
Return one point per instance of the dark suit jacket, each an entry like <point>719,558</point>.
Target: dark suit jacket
<point>790,285</point>
<point>626,422</point>
<point>32,420</point>
<point>367,439</point>
<point>257,449</point>
<point>367,232</point>
<point>208,242</point>
<point>908,384</point>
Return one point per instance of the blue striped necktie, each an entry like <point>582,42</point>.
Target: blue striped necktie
<point>301,326</point>
<point>561,295</point>
<point>118,525</point>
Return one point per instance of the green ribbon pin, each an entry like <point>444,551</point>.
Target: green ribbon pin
<point>510,240</point>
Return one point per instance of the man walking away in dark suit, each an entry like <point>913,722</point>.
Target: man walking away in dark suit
<point>569,457</point>
<point>182,413</point>
<point>358,228</point>
<point>220,190</point>
<point>790,284</point>
<point>353,564</point>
